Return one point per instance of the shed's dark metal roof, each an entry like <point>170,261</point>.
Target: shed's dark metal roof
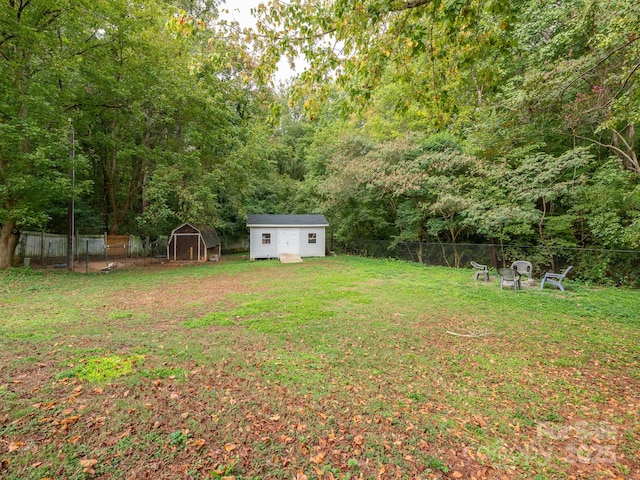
<point>308,220</point>
<point>210,237</point>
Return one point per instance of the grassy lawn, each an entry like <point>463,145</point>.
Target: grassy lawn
<point>334,368</point>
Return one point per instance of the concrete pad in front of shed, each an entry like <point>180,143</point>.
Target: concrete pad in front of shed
<point>290,258</point>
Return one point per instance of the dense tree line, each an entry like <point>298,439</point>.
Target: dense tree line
<point>492,121</point>
<point>159,129</point>
<point>487,121</point>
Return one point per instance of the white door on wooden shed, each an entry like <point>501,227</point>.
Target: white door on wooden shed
<point>288,240</point>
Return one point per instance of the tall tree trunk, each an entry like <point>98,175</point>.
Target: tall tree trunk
<point>454,238</point>
<point>420,240</point>
<point>479,88</point>
<point>444,252</point>
<point>542,237</point>
<point>8,242</point>
<point>492,252</point>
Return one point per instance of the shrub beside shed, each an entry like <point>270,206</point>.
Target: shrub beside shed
<point>190,242</point>
<point>274,235</point>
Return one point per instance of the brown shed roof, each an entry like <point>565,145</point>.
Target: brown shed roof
<point>208,234</point>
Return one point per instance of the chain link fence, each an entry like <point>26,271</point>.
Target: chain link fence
<point>617,267</point>
<point>46,249</point>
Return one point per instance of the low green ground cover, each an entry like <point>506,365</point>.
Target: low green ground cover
<point>334,368</point>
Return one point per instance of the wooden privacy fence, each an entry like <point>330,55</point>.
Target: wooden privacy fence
<point>49,245</point>
<point>117,245</point>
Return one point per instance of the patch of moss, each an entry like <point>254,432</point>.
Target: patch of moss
<point>102,369</point>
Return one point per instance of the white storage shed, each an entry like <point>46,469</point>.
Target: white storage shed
<point>273,235</point>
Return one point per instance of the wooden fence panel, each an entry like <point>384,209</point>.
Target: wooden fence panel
<point>42,245</point>
<point>93,244</point>
<point>49,245</point>
<point>117,245</point>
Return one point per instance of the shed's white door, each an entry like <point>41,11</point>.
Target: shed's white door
<point>288,240</point>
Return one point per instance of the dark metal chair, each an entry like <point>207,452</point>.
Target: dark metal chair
<point>480,271</point>
<point>555,278</point>
<point>509,275</point>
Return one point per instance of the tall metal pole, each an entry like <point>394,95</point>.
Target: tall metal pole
<point>71,202</point>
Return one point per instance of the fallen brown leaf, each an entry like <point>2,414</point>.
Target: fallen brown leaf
<point>199,443</point>
<point>88,462</point>
<point>13,446</point>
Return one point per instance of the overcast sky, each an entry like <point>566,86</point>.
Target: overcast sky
<point>240,10</point>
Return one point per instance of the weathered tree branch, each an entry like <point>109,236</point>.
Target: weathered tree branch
<point>635,167</point>
<point>410,5</point>
<point>600,62</point>
<point>479,334</point>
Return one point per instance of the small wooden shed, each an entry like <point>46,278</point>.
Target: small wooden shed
<point>274,235</point>
<point>190,242</point>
